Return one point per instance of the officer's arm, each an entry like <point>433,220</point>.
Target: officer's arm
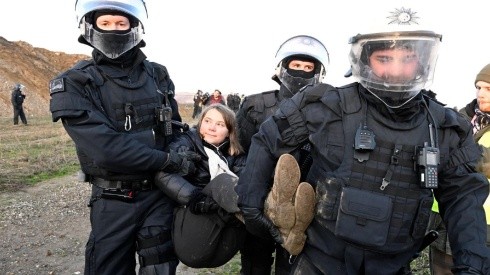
<point>255,179</point>
<point>175,187</point>
<point>94,134</point>
<point>254,182</point>
<point>461,194</point>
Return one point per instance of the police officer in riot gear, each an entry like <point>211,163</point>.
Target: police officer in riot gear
<point>381,150</point>
<point>300,61</point>
<point>118,108</point>
<point>17,100</point>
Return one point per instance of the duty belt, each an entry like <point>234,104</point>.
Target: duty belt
<point>134,185</point>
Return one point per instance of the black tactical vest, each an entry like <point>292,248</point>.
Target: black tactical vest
<point>129,106</point>
<point>373,198</point>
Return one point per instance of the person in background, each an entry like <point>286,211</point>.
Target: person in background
<point>300,61</point>
<point>119,109</point>
<point>233,101</point>
<point>238,102</point>
<point>215,98</point>
<point>198,102</point>
<point>478,112</point>
<point>17,100</point>
<point>229,101</point>
<point>381,150</point>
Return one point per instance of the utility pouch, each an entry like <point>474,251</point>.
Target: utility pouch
<point>118,194</point>
<point>364,217</point>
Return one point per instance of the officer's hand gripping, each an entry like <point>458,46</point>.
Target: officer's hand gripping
<point>259,225</point>
<point>181,162</point>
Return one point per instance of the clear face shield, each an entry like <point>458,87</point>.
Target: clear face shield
<point>395,66</point>
<point>111,44</point>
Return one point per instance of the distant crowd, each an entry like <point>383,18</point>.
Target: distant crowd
<point>201,99</point>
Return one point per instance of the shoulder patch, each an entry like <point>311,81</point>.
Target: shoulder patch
<point>56,86</point>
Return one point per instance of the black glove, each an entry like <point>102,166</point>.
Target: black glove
<point>181,162</point>
<point>259,225</point>
<point>202,204</point>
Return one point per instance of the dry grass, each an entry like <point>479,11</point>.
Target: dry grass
<point>33,153</point>
<point>40,151</point>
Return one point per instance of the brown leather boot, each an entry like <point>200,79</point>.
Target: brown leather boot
<point>304,208</point>
<point>279,205</point>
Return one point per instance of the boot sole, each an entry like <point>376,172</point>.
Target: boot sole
<point>279,203</point>
<point>286,179</point>
<point>304,207</point>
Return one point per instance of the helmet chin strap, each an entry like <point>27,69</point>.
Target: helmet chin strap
<point>388,105</point>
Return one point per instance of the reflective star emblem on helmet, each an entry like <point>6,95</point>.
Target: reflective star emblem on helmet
<point>403,16</point>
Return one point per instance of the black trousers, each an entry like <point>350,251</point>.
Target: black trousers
<point>117,226</point>
<point>19,112</point>
<point>257,257</point>
<point>197,111</point>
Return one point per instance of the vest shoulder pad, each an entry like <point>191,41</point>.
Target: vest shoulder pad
<point>160,74</point>
<point>454,119</point>
<point>77,75</point>
<point>349,98</point>
<point>258,101</point>
<point>429,94</point>
<point>270,98</point>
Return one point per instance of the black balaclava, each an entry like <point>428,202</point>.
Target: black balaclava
<point>292,81</point>
<point>300,73</point>
<point>406,113</point>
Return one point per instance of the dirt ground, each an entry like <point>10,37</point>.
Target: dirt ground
<point>43,229</point>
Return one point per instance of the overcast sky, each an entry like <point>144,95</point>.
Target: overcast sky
<point>230,45</point>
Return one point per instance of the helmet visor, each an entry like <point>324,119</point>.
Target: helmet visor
<point>112,44</point>
<point>395,62</point>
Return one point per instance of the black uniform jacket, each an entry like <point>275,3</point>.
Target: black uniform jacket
<point>98,135</point>
<point>461,190</point>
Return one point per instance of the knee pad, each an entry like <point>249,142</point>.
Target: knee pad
<point>155,248</point>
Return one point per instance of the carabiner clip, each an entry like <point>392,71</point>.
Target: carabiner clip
<point>127,123</point>
<point>292,258</point>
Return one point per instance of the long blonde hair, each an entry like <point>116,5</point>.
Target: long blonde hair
<point>231,125</point>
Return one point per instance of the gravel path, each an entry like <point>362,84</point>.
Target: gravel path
<point>43,229</point>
